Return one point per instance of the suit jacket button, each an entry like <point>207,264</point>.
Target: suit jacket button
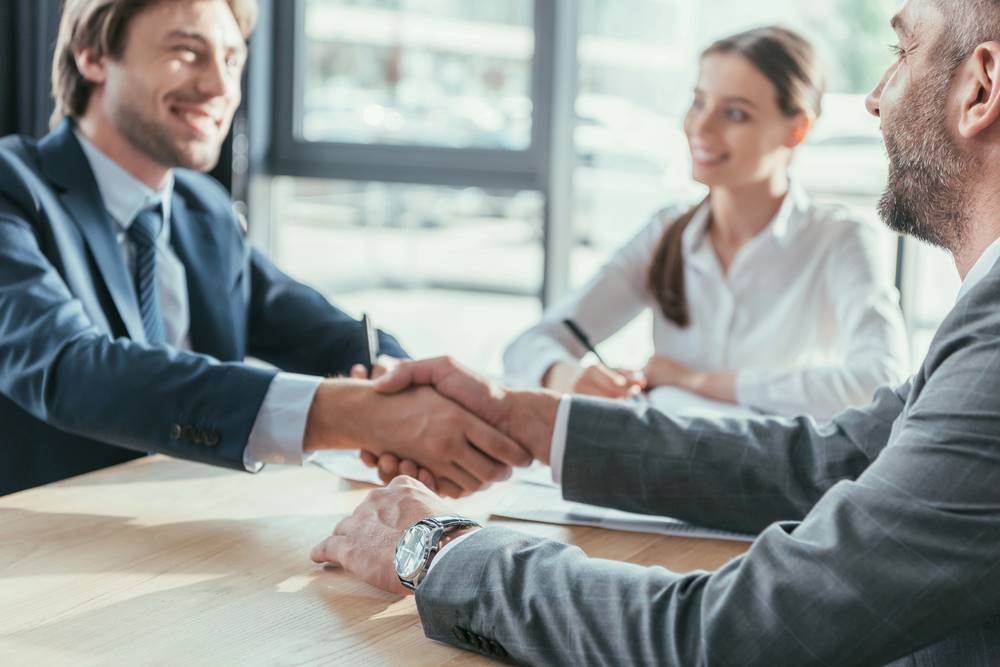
<point>176,431</point>
<point>213,438</point>
<point>198,436</point>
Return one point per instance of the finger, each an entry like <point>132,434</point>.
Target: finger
<point>369,458</point>
<point>466,482</point>
<point>359,372</point>
<point>388,467</point>
<point>409,468</point>
<point>496,445</point>
<point>448,488</point>
<point>408,373</point>
<point>396,379</point>
<point>482,467</point>
<point>331,550</point>
<point>599,383</point>
<point>428,479</point>
<point>609,377</point>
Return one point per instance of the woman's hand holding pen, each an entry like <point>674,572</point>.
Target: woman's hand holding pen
<point>597,380</point>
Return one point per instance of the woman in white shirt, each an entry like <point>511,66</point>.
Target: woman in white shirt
<point>761,297</point>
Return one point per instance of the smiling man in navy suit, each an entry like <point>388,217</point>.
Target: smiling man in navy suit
<point>129,297</point>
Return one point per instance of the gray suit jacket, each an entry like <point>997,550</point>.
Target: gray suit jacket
<point>880,533</point>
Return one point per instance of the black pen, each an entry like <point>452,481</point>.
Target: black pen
<point>582,337</point>
<point>371,342</point>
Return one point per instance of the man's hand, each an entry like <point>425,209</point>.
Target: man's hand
<point>389,466</point>
<point>364,543</point>
<point>419,425</point>
<point>594,380</point>
<point>527,417</point>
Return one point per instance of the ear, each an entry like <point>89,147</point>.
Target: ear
<point>979,91</point>
<point>801,125</point>
<point>90,66</point>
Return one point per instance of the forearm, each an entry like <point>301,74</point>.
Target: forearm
<point>729,473</point>
<point>717,386</point>
<point>178,403</point>
<point>865,596</point>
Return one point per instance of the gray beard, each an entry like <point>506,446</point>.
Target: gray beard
<point>926,195</point>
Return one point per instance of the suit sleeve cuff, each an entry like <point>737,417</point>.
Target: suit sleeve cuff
<point>280,426</point>
<point>448,547</point>
<point>557,450</point>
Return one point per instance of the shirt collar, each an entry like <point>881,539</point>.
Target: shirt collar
<point>124,195</point>
<point>791,217</point>
<point>980,269</point>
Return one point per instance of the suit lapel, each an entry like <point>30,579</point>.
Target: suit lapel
<point>195,241</point>
<point>67,167</point>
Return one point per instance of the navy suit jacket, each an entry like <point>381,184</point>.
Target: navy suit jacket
<point>80,388</point>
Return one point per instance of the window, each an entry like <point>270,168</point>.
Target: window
<point>421,150</point>
<point>450,74</point>
<point>405,173</point>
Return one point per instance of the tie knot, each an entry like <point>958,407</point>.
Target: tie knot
<point>145,228</point>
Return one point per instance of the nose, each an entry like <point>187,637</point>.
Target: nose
<point>874,99</point>
<point>699,122</point>
<point>215,80</point>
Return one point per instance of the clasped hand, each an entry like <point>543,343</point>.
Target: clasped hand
<point>439,423</point>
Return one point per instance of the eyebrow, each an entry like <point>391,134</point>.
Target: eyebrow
<point>238,47</point>
<point>737,99</point>
<point>899,24</point>
<point>741,100</point>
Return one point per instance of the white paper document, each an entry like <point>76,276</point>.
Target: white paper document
<point>530,495</point>
<point>346,463</point>
<point>546,505</point>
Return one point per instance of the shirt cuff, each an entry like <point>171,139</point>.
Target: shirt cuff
<point>448,547</point>
<point>557,449</point>
<point>279,430</point>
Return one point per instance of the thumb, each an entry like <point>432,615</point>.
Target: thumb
<point>328,551</point>
<point>395,380</point>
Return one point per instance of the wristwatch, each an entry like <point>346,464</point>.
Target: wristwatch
<point>420,543</point>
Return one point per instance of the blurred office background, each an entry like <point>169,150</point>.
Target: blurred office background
<point>451,166</point>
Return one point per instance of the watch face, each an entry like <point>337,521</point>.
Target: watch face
<point>412,551</point>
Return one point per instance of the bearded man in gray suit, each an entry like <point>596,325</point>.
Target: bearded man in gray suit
<point>880,530</point>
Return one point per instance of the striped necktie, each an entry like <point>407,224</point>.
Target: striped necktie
<point>143,234</point>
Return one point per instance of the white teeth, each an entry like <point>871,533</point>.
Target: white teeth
<point>205,124</point>
<point>705,156</point>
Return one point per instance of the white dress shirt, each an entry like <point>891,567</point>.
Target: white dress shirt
<point>805,317</point>
<point>279,428</point>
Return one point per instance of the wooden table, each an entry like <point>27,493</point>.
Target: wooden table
<point>161,562</point>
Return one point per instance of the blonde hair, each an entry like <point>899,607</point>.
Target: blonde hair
<point>101,26</point>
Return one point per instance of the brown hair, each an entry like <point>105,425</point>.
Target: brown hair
<point>102,25</point>
<point>790,64</point>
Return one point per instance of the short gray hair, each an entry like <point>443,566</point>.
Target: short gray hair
<point>970,23</point>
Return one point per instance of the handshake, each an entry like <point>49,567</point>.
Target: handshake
<point>433,420</point>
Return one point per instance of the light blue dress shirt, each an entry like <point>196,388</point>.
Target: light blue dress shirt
<point>279,429</point>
